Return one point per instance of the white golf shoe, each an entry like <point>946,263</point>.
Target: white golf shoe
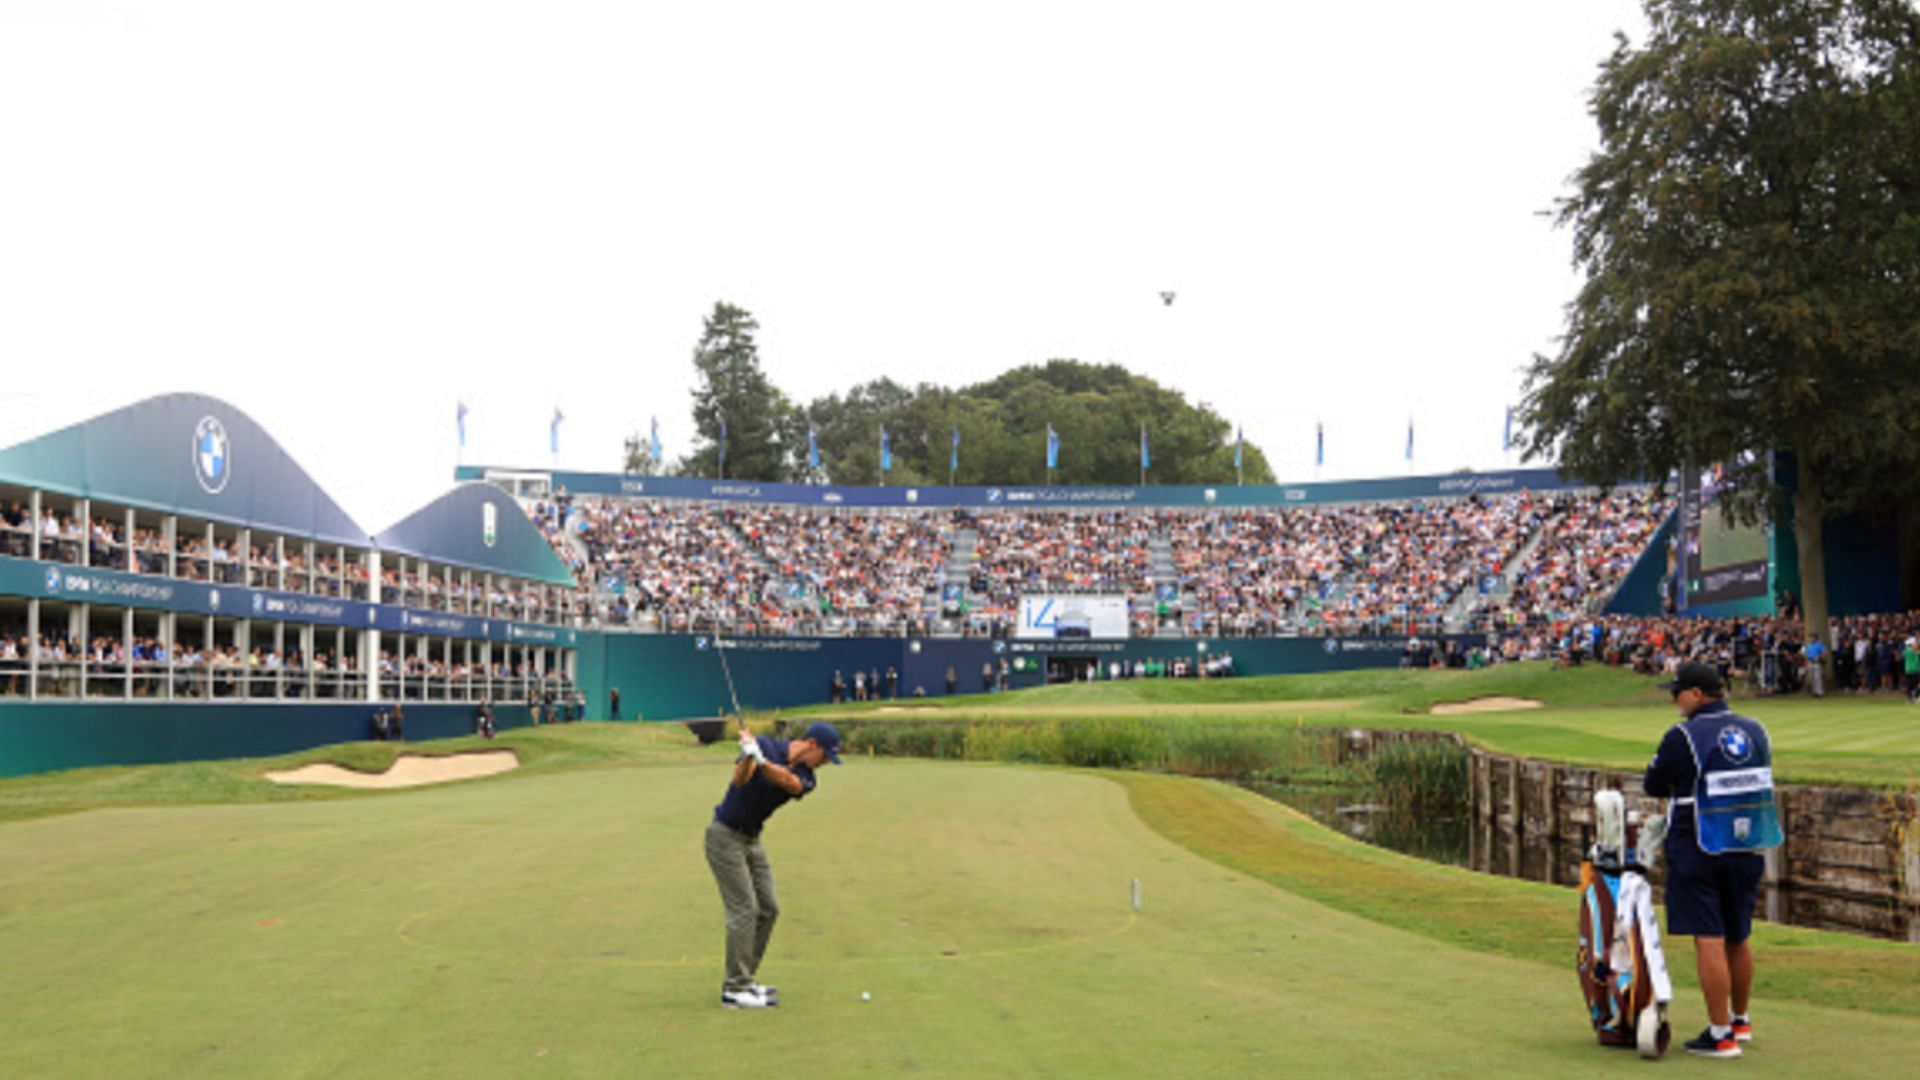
<point>743,999</point>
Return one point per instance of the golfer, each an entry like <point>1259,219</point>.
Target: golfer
<point>767,773</point>
<point>1716,769</point>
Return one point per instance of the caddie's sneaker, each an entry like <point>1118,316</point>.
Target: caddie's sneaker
<point>1706,1045</point>
<point>1743,1031</point>
<point>771,993</point>
<point>743,999</point>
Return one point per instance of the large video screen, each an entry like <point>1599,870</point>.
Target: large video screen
<point>1072,616</point>
<point>1725,561</point>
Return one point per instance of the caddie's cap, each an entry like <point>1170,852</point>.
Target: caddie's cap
<point>1694,675</point>
<point>827,738</point>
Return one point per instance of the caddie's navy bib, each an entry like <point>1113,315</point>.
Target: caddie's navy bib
<point>1733,802</point>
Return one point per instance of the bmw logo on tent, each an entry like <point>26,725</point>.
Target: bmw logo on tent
<point>211,464</point>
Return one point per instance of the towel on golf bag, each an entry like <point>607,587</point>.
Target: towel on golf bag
<point>1622,966</point>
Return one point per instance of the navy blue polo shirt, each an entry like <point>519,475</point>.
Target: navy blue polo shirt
<point>745,809</point>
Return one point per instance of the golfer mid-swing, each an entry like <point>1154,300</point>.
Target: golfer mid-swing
<point>767,773</point>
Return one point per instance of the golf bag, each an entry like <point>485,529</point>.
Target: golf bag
<point>1623,971</point>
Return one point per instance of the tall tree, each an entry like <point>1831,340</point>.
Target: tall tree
<point>734,399</point>
<point>1749,233</point>
<point>1098,411</point>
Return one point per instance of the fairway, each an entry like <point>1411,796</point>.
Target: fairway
<point>565,924</point>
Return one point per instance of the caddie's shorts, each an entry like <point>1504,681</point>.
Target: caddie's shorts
<point>1711,895</point>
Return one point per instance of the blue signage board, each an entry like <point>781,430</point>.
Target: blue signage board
<point>117,588</point>
<point>1449,486</point>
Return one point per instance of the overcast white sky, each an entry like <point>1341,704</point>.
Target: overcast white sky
<point>344,217</point>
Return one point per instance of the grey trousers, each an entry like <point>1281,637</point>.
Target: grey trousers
<point>745,878</point>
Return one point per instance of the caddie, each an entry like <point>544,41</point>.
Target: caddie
<point>766,775</point>
<point>1715,768</point>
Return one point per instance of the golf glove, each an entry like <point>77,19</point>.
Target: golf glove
<point>751,748</point>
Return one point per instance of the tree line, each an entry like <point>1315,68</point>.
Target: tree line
<point>748,428</point>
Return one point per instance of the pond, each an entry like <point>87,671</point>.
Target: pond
<point>1355,810</point>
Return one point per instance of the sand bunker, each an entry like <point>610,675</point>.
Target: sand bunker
<point>1484,704</point>
<point>408,770</point>
<point>907,708</point>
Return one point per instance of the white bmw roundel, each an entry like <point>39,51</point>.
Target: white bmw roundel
<point>212,455</point>
<point>1735,744</point>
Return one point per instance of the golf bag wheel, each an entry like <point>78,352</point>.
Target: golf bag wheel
<point>1652,1032</point>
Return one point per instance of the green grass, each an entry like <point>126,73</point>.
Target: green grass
<point>1594,716</point>
<point>560,921</point>
<point>540,750</point>
<point>1484,913</point>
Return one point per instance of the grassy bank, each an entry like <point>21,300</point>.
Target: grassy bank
<point>1483,913</point>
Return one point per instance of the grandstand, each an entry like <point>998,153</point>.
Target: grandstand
<point>171,561</point>
<point>172,585</point>
<point>1447,564</point>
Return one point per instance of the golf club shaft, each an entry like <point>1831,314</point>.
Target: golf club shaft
<point>726,670</point>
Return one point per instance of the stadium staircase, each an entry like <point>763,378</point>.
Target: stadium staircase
<point>1161,569</point>
<point>958,568</point>
<point>789,593</point>
<point>1459,616</point>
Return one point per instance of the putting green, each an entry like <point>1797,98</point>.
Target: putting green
<point>565,924</point>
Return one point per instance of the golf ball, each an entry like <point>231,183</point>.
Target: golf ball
<point>864,996</point>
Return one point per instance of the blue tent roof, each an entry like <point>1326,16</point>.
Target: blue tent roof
<point>183,454</point>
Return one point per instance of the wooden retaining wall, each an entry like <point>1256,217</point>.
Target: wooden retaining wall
<point>1851,860</point>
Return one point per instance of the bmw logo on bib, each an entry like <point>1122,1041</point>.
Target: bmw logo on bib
<point>211,453</point>
<point>1735,744</point>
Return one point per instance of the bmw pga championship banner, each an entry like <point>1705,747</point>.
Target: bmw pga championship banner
<point>115,588</point>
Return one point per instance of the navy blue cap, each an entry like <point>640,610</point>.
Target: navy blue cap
<point>826,737</point>
<point>1694,675</point>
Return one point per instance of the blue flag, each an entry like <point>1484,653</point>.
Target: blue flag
<point>1146,456</point>
<point>1053,448</point>
<point>553,430</point>
<point>886,450</point>
<point>723,446</point>
<point>1239,448</point>
<point>1409,438</point>
<point>813,447</point>
<point>1506,436</point>
<point>460,420</point>
<point>656,440</point>
<point>953,458</point>
<point>1319,444</point>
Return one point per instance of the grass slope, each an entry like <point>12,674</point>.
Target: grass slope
<point>561,921</point>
